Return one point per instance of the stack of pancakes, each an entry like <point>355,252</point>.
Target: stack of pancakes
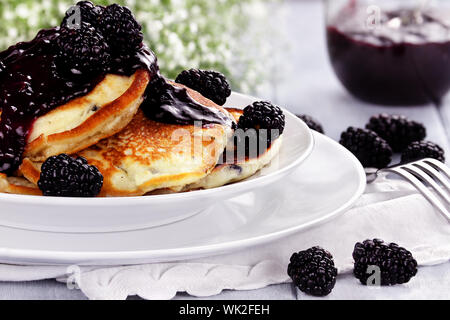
<point>136,155</point>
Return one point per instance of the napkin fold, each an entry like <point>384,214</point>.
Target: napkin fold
<point>390,209</point>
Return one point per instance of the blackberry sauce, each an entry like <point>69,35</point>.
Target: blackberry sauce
<point>168,103</point>
<point>405,60</point>
<point>31,85</point>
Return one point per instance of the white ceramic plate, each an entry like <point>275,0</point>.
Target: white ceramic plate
<point>326,185</point>
<point>124,214</point>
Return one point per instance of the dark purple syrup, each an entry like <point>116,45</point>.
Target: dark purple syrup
<point>404,61</point>
<point>172,104</point>
<point>31,85</point>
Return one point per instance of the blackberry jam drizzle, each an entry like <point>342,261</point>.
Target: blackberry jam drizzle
<point>31,85</point>
<point>168,103</point>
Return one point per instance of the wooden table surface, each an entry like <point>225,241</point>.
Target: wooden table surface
<point>301,79</point>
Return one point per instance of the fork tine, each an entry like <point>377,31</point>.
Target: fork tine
<point>417,171</point>
<point>436,174</point>
<point>439,166</point>
<point>422,188</point>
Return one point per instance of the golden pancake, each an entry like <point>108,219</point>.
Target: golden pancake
<point>84,121</point>
<point>238,170</point>
<point>235,171</point>
<point>228,173</point>
<point>18,185</point>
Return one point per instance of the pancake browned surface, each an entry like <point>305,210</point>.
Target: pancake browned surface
<point>30,170</point>
<point>18,185</point>
<point>84,121</point>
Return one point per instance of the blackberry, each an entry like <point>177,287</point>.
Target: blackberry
<point>2,67</point>
<point>423,149</point>
<point>262,115</point>
<point>89,12</point>
<point>367,146</point>
<point>311,122</point>
<point>260,120</point>
<point>396,264</point>
<point>64,176</point>
<point>211,84</point>
<point>397,130</point>
<point>313,271</point>
<point>121,29</point>
<point>82,50</point>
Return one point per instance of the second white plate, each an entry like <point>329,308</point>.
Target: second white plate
<point>326,185</point>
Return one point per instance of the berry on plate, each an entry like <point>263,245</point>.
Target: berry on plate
<point>89,13</point>
<point>261,120</point>
<point>211,84</point>
<point>120,29</point>
<point>64,176</point>
<point>262,115</point>
<point>82,50</point>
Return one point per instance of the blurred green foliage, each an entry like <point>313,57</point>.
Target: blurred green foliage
<point>183,33</point>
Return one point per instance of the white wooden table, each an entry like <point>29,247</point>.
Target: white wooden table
<point>302,81</point>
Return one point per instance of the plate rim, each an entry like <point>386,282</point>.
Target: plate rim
<point>244,185</point>
<point>113,257</point>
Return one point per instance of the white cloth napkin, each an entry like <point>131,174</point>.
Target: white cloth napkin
<point>390,209</point>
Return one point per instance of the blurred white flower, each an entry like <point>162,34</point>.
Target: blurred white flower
<point>22,11</point>
<point>12,32</point>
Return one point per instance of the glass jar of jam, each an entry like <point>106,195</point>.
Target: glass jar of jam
<point>391,52</point>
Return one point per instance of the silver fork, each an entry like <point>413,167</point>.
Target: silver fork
<point>431,177</point>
